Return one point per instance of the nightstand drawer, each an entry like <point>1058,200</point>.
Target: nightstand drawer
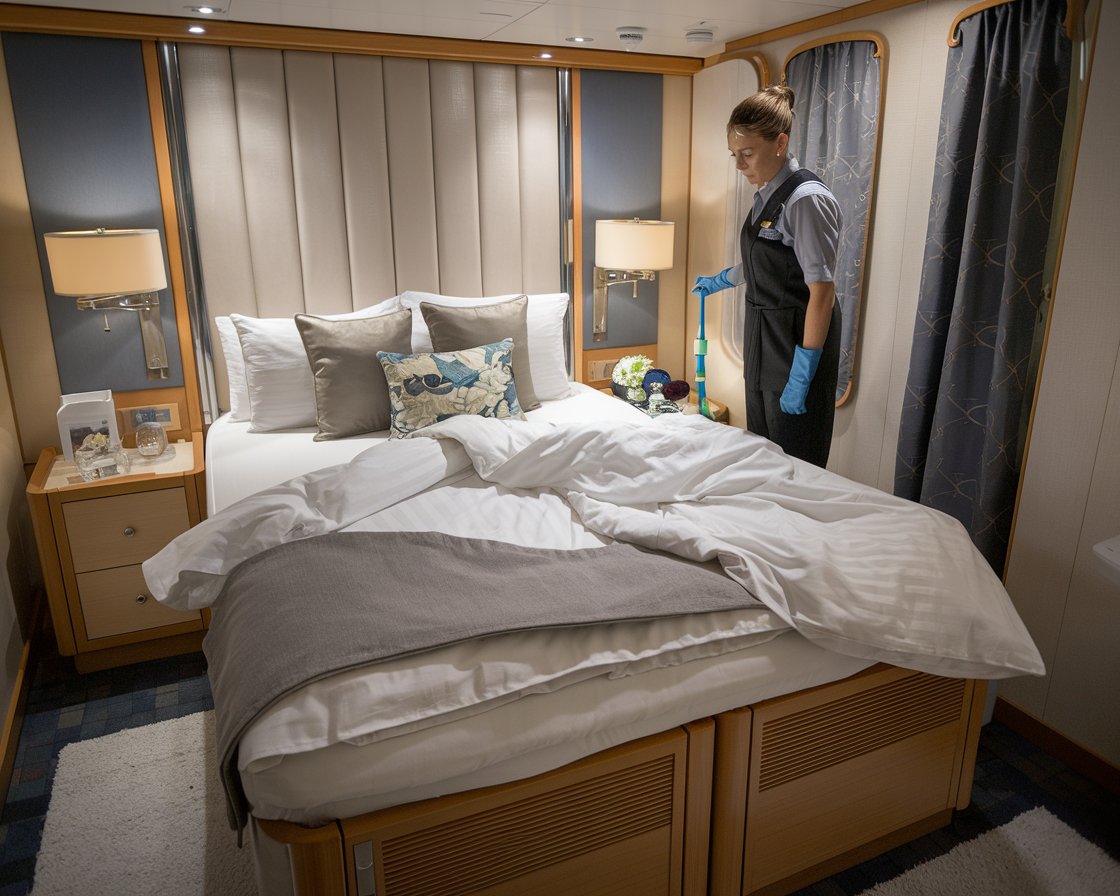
<point>124,529</point>
<point>117,601</point>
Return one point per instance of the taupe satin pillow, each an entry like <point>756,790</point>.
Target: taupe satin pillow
<point>351,392</point>
<point>454,328</point>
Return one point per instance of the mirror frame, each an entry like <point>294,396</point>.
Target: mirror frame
<point>854,325</point>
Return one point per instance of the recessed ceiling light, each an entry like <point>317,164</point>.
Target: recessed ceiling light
<point>196,29</point>
<point>206,10</point>
<point>579,40</point>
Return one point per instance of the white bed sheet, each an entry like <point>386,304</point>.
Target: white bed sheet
<point>240,463</point>
<point>534,734</point>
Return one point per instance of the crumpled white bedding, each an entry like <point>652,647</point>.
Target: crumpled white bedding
<point>851,568</point>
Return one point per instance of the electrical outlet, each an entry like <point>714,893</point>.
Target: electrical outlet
<point>602,370</point>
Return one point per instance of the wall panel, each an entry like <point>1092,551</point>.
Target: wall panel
<point>539,186</point>
<point>499,178</point>
<point>621,152</point>
<point>24,328</point>
<point>82,119</point>
<point>359,83</point>
<point>343,180</point>
<point>317,178</point>
<point>456,158</point>
<point>260,99</point>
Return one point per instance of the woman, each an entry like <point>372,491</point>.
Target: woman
<point>791,345</point>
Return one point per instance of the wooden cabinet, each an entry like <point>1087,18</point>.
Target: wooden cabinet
<point>93,538</point>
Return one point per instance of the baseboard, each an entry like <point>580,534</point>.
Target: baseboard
<point>13,717</point>
<point>1080,759</point>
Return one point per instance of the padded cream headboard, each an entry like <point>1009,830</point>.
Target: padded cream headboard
<point>327,182</point>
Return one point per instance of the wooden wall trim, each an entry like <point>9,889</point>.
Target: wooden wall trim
<point>1079,758</point>
<point>48,20</point>
<point>172,239</point>
<point>17,705</point>
<point>841,16</point>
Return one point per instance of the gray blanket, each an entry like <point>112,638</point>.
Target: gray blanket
<point>305,610</point>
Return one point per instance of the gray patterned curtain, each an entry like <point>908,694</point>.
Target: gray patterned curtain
<point>960,443</point>
<point>835,132</point>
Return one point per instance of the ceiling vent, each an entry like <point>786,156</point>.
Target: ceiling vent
<point>630,36</point>
<point>699,36</point>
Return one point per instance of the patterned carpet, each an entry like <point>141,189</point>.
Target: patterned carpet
<point>1012,775</point>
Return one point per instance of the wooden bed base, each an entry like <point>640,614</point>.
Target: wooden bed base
<point>760,800</point>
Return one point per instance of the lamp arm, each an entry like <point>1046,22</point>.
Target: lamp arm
<point>124,302</point>
<point>604,279</point>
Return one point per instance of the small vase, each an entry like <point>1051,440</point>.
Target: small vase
<point>151,439</point>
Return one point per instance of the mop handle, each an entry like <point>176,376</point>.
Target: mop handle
<point>701,349</point>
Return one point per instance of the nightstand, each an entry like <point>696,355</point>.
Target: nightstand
<point>92,539</point>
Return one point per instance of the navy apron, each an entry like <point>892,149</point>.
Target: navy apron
<point>777,298</point>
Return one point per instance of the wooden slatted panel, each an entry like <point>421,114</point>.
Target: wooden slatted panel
<point>802,743</point>
<point>483,850</point>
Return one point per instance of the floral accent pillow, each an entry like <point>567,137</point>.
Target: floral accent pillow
<point>428,387</point>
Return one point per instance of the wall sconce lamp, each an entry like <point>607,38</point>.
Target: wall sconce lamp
<point>627,251</point>
<point>114,270</point>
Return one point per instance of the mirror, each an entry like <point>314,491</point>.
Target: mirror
<point>838,89</point>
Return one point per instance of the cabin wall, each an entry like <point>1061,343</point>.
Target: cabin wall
<point>1070,492</point>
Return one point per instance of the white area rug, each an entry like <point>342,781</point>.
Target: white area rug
<point>1034,854</point>
<point>142,812</point>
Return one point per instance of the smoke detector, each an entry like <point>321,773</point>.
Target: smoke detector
<point>699,36</point>
<point>630,36</point>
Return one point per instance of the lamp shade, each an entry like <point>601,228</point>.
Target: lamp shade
<point>105,262</point>
<point>634,245</point>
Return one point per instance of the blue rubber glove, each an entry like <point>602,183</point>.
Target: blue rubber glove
<point>801,372</point>
<point>705,286</point>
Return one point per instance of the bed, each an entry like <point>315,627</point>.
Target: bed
<point>745,736</point>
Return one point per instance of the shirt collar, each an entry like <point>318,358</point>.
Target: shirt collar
<point>767,189</point>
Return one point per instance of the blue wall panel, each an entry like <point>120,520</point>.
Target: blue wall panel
<point>620,121</point>
<point>81,111</point>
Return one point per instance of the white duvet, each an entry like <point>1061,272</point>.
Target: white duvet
<point>851,568</point>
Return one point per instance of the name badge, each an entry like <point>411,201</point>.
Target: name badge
<point>769,233</point>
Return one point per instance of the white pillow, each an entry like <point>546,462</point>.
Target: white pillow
<point>235,369</point>
<point>279,389</point>
<point>544,318</point>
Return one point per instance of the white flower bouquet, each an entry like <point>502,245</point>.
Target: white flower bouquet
<point>628,375</point>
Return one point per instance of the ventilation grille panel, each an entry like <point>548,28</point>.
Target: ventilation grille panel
<point>502,844</point>
<point>805,742</point>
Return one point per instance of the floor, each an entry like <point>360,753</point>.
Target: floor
<point>1012,775</point>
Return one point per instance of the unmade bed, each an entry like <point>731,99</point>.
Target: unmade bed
<point>737,750</point>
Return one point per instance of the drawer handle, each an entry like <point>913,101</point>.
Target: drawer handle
<point>129,531</point>
<point>141,598</point>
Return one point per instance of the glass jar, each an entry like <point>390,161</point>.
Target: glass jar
<point>101,463</point>
<point>151,439</point>
<point>658,403</point>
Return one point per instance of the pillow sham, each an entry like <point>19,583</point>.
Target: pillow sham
<point>427,387</point>
<point>544,318</point>
<point>279,388</point>
<point>351,394</point>
<point>452,328</point>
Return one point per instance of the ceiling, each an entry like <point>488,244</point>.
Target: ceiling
<point>666,23</point>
